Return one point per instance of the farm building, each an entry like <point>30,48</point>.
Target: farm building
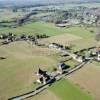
<point>61,67</point>
<point>43,77</point>
<point>56,46</point>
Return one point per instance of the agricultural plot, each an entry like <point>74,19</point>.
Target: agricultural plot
<point>8,15</point>
<point>63,39</point>
<point>67,91</point>
<point>84,43</point>
<point>87,79</point>
<point>49,29</point>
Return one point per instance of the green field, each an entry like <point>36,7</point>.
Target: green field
<point>49,29</point>
<point>67,91</point>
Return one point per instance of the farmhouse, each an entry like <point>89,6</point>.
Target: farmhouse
<point>56,46</point>
<point>61,67</point>
<point>43,77</point>
<point>98,54</point>
<point>78,58</point>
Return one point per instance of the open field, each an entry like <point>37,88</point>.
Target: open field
<point>63,39</point>
<point>17,70</point>
<point>88,79</point>
<point>49,29</point>
<point>8,15</point>
<point>84,43</point>
<point>67,91</point>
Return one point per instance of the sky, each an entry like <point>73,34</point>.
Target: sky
<point>43,1</point>
<point>48,0</point>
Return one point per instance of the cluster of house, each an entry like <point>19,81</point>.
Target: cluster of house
<point>10,37</point>
<point>62,48</point>
<point>78,57</point>
<point>91,53</point>
<point>96,53</point>
<point>44,76</point>
<point>87,16</point>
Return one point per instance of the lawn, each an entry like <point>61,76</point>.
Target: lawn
<point>67,91</point>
